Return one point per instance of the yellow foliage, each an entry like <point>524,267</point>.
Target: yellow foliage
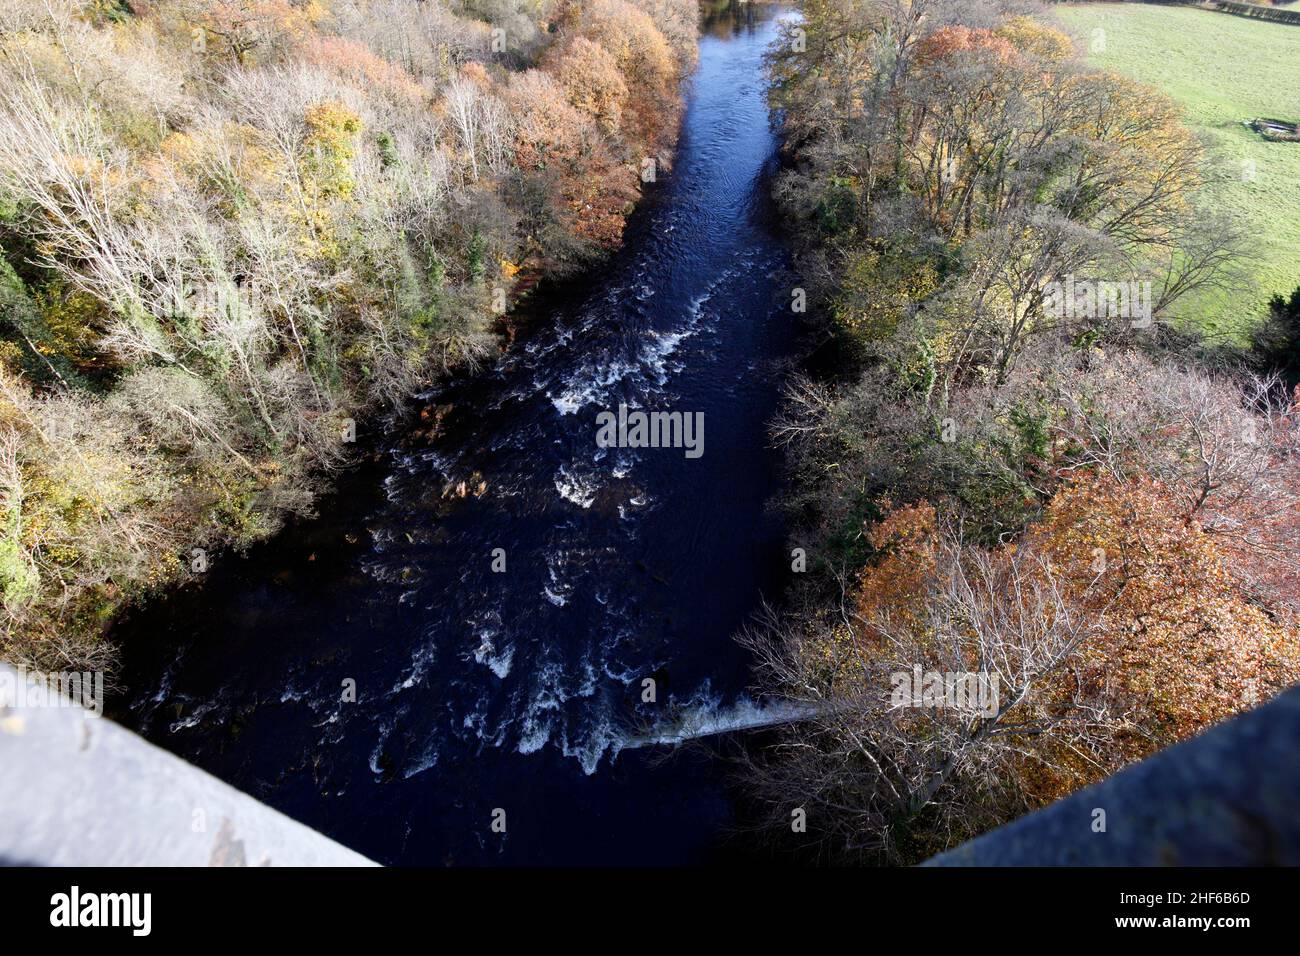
<point>331,147</point>
<point>878,291</point>
<point>75,321</point>
<point>1030,36</point>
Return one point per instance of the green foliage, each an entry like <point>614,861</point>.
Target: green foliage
<point>836,210</point>
<point>330,149</point>
<point>475,258</point>
<point>44,356</point>
<point>1277,341</point>
<point>1033,438</point>
<point>387,147</point>
<point>848,545</point>
<point>18,580</point>
<point>111,11</point>
<point>878,290</point>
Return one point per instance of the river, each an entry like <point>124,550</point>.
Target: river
<point>479,690</point>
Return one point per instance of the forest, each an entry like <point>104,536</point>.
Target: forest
<point>1093,509</point>
<point>236,234</point>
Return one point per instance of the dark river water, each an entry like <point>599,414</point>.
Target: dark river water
<point>479,690</point>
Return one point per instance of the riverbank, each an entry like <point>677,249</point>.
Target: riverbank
<point>1018,476</point>
<point>492,650</point>
<point>233,240</point>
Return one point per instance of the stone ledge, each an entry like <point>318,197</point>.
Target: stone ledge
<point>1230,797</point>
<point>79,790</point>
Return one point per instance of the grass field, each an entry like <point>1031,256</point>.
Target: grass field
<point>1223,70</point>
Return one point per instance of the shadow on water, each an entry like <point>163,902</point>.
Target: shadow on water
<point>478,689</point>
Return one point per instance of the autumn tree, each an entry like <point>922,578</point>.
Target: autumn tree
<point>558,144</point>
<point>644,59</point>
<point>1111,629</point>
<point>230,228</point>
<point>591,80</point>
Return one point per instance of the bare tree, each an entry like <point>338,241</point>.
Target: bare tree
<point>872,760</point>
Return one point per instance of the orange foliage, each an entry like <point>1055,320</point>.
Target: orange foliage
<point>1019,36</point>
<point>476,72</point>
<point>905,539</point>
<point>644,59</point>
<point>947,42</point>
<point>355,61</point>
<point>552,137</point>
<point>1180,646</point>
<point>1195,650</point>
<point>591,80</point>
